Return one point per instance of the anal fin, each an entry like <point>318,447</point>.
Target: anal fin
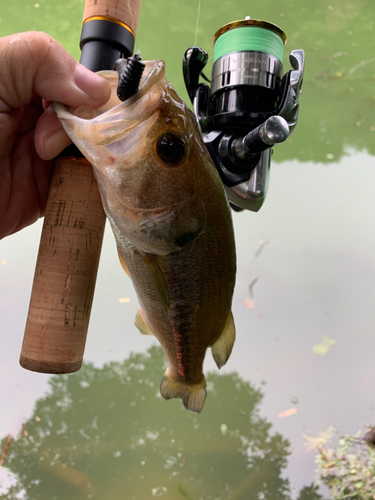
<point>141,324</point>
<point>193,395</point>
<point>222,348</point>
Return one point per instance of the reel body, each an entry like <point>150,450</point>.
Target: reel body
<point>249,107</point>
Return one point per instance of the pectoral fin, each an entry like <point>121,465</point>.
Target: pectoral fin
<point>141,324</point>
<point>158,280</point>
<point>122,262</point>
<point>222,348</point>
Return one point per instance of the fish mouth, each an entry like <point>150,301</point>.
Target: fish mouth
<point>153,73</point>
<point>116,118</point>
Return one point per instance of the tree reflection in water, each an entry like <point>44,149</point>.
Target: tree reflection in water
<point>107,433</point>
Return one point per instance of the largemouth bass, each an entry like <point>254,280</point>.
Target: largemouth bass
<point>171,220</point>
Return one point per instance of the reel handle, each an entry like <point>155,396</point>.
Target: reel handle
<point>74,221</point>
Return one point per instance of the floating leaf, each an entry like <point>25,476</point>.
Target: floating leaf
<point>287,413</point>
<point>249,303</point>
<point>322,348</point>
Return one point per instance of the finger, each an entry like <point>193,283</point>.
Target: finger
<point>33,62</point>
<point>31,114</point>
<point>50,138</point>
<point>17,122</point>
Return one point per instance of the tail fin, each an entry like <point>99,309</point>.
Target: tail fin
<point>193,395</point>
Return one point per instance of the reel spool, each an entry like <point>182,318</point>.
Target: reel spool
<point>250,106</point>
<point>247,71</point>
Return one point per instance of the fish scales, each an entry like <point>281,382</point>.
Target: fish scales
<point>198,311</point>
<point>171,220</point>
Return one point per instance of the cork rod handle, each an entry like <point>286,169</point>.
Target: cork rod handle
<point>65,272</point>
<point>71,240</point>
<point>126,12</point>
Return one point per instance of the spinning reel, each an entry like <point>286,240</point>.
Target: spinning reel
<point>250,106</point>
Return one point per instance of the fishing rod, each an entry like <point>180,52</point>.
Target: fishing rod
<point>74,220</point>
<point>250,106</point>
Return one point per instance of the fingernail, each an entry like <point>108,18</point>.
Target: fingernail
<point>92,84</point>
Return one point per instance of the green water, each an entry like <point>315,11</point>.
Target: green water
<point>337,36</point>
<point>306,268</point>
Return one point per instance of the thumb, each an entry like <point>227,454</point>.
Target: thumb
<point>35,63</point>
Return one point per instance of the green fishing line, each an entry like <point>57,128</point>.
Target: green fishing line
<point>249,38</point>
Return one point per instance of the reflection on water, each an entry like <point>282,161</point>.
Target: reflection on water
<point>106,433</point>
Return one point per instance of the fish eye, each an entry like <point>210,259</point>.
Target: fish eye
<point>170,148</point>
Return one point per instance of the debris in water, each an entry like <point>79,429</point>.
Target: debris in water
<point>251,286</point>
<point>249,303</point>
<point>325,345</point>
<point>5,450</point>
<point>322,74</point>
<point>262,244</point>
<point>287,413</point>
<point>323,437</point>
<point>337,54</point>
<point>360,65</point>
<point>347,469</point>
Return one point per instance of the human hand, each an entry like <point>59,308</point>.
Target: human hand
<point>35,70</point>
